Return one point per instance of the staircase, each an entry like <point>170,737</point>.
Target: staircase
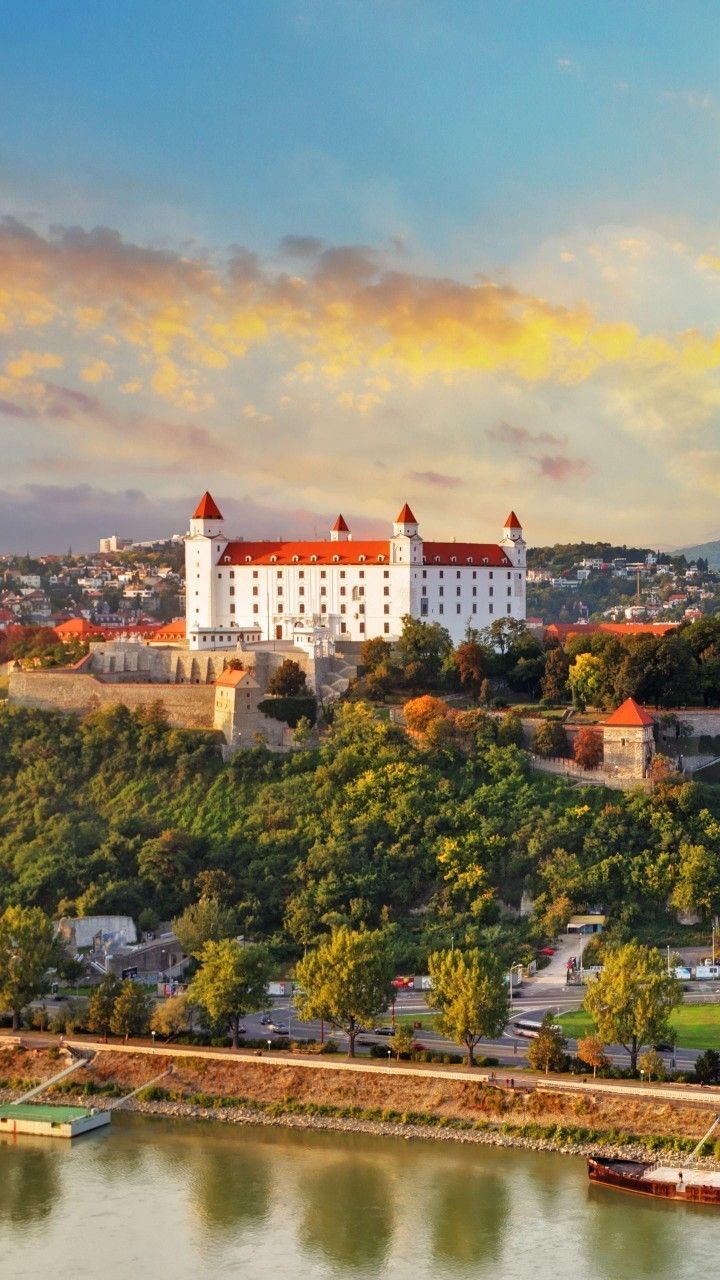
<point>335,677</point>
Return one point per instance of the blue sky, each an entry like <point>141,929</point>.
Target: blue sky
<point>504,265</point>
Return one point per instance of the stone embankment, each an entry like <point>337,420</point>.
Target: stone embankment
<point>400,1101</point>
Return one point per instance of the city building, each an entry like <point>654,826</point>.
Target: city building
<point>352,590</point>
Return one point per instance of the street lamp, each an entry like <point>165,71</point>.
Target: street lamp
<point>269,1044</point>
<point>389,1053</point>
<point>152,1033</point>
<point>642,1077</point>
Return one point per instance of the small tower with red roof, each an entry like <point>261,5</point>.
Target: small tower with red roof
<point>513,543</point>
<point>629,741</point>
<point>406,543</point>
<point>207,518</point>
<point>340,531</point>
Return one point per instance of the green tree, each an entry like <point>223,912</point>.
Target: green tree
<point>651,1064</point>
<point>375,653</point>
<point>554,682</point>
<point>707,1067</point>
<point>586,681</point>
<point>547,1052</point>
<point>470,990</point>
<point>232,981</point>
<point>632,998</point>
<point>697,886</point>
<point>27,950</point>
<point>206,920</point>
<point>346,980</point>
<point>102,1003</point>
<point>510,731</point>
<point>550,739</point>
<point>172,1017</point>
<point>131,1010</point>
<point>403,1040</point>
<point>422,650</point>
<point>288,681</point>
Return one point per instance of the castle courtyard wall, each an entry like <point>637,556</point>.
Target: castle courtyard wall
<point>188,706</point>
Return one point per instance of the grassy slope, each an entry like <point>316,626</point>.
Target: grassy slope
<point>697,1025</point>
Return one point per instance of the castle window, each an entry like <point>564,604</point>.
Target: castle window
<point>509,575</point>
<point>362,559</point>
<point>313,559</point>
<point>424,573</point>
<point>342,573</point>
<point>343,608</point>
<point>441,608</point>
<point>490,575</point>
<point>232,608</point>
<point>232,591</point>
<point>361,573</point>
<point>279,591</point>
<point>458,608</point>
<point>302,608</point>
<point>436,559</point>
<point>301,573</point>
<point>232,573</point>
<point>273,559</point>
<point>453,559</point>
<point>490,608</point>
<point>474,591</point>
<point>423,608</point>
<point>280,608</point>
<point>386,628</point>
<point>381,559</point>
<point>256,591</point>
<point>470,560</point>
<point>457,573</point>
<point>474,608</point>
<point>442,591</point>
<point>386,608</point>
<point>301,591</point>
<point>256,608</point>
<point>458,590</point>
<point>255,572</point>
<point>386,573</point>
<point>386,591</point>
<point>248,560</point>
<point>279,573</point>
<point>362,628</point>
<point>336,559</point>
<point>491,591</point>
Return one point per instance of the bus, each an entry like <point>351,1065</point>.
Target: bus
<point>529,1028</point>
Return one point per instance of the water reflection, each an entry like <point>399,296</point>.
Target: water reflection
<point>231,1191</point>
<point>469,1218</point>
<point>347,1213</point>
<point>30,1185</point>
<point>656,1232</point>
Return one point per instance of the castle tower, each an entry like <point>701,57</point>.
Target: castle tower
<point>513,543</point>
<point>203,546</point>
<point>406,543</point>
<point>628,741</point>
<point>340,531</point>
<point>207,519</point>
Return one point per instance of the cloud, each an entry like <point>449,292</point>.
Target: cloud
<point>30,362</point>
<point>693,99</point>
<point>42,517</point>
<point>558,467</point>
<point>300,246</point>
<point>518,437</point>
<point>567,66</point>
<point>435,478</point>
<point>98,371</point>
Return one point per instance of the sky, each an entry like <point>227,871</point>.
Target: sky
<point>335,255</point>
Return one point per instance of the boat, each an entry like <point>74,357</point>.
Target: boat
<point>645,1178</point>
<point>666,1182</point>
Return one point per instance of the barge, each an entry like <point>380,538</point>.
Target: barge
<point>645,1178</point>
<point>48,1121</point>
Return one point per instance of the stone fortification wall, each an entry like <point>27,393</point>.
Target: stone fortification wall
<point>188,706</point>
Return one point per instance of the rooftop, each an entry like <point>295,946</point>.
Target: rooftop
<point>630,715</point>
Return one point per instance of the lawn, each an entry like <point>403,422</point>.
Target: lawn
<point>697,1025</point>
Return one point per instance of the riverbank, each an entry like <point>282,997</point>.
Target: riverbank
<point>447,1106</point>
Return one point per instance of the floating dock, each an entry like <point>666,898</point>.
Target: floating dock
<point>47,1121</point>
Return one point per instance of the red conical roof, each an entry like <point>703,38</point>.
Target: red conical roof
<point>340,526</point>
<point>630,715</point>
<point>406,516</point>
<point>207,508</point>
<point>512,522</point>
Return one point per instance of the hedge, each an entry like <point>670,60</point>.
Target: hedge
<point>290,710</point>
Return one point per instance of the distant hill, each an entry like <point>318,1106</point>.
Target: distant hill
<point>709,551</point>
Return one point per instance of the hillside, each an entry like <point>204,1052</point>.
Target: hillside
<point>709,551</point>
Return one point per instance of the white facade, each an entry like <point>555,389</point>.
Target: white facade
<point>355,590</point>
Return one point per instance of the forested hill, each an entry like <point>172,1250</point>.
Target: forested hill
<point>709,551</point>
<point>121,814</point>
<point>567,555</point>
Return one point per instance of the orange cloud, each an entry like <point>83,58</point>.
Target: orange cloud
<point>190,318</point>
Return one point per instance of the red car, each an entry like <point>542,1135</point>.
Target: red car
<point>547,951</point>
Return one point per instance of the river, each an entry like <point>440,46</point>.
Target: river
<point>177,1200</point>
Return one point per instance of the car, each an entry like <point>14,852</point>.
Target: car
<point>279,1031</point>
<point>418,1047</point>
<point>383,1031</point>
<point>266,1020</point>
<point>663,1047</point>
<point>547,951</point>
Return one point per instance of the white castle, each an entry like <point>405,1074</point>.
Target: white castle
<point>254,591</point>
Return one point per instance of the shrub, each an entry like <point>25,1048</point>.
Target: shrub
<point>290,709</point>
<point>550,739</point>
<point>588,747</point>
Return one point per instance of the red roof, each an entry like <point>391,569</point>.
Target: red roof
<point>77,627</point>
<point>283,553</point>
<point>512,522</point>
<point>483,554</point>
<point>406,516</point>
<point>340,526</point>
<point>563,630</point>
<point>630,715</point>
<point>207,508</point>
<point>231,677</point>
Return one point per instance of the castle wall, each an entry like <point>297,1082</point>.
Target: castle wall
<point>188,706</point>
